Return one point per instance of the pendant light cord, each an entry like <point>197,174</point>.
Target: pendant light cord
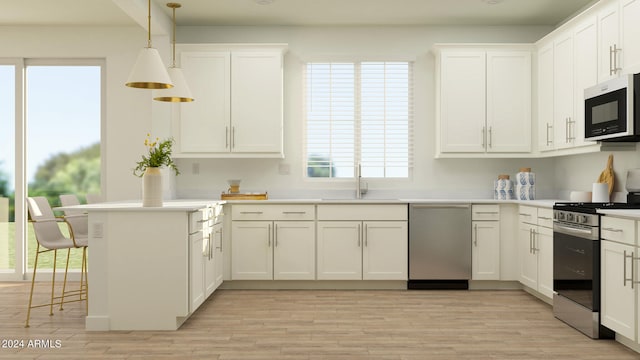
<point>149,25</point>
<point>173,53</point>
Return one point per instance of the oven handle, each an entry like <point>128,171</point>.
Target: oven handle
<point>584,233</point>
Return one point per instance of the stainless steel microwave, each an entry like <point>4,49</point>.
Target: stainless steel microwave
<point>610,110</point>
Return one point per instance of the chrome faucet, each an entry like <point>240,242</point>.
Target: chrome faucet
<point>359,190</point>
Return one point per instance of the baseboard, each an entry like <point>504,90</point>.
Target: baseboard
<point>315,285</point>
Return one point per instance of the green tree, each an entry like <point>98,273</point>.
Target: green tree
<point>68,173</point>
<point>320,166</point>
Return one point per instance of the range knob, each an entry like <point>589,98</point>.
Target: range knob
<point>570,217</point>
<point>560,215</point>
<point>582,219</point>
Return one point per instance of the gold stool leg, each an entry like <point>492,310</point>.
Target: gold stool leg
<point>86,278</point>
<point>64,284</point>
<point>33,279</point>
<point>53,281</point>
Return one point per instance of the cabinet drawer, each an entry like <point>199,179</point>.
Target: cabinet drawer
<point>545,217</point>
<point>196,221</point>
<point>616,229</point>
<point>485,212</point>
<point>273,212</point>
<point>363,212</point>
<point>528,214</point>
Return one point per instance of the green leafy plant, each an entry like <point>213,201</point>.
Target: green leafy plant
<point>159,155</point>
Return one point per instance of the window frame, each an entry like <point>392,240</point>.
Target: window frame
<point>357,61</point>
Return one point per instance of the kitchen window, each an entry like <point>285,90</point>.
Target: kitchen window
<point>358,113</point>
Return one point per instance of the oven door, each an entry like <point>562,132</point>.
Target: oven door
<point>576,264</point>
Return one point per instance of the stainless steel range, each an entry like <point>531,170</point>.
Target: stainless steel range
<point>576,265</point>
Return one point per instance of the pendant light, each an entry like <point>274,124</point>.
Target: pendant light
<point>149,71</point>
<point>180,91</point>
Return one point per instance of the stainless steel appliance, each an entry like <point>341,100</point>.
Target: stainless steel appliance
<point>633,186</point>
<point>439,246</point>
<point>611,110</point>
<point>576,265</point>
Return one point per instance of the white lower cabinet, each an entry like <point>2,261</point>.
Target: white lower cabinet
<point>618,261</point>
<point>618,303</point>
<point>273,242</point>
<point>362,242</point>
<point>205,268</point>
<point>535,240</point>
<point>485,240</point>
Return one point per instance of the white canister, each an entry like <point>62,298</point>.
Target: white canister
<point>600,193</point>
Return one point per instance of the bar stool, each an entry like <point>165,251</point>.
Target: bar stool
<point>50,238</point>
<point>78,222</point>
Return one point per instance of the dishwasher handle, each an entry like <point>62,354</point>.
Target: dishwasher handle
<point>441,206</point>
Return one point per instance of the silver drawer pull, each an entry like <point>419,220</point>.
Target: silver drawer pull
<point>203,221</point>
<point>294,212</point>
<point>486,212</point>
<point>544,218</point>
<point>613,230</point>
<point>523,214</point>
<point>250,212</point>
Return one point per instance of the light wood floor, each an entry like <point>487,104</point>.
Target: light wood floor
<point>320,324</point>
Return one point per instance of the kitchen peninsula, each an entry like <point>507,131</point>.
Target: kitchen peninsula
<point>140,269</point>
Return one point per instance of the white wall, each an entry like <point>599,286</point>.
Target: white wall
<point>128,113</point>
<point>431,177</point>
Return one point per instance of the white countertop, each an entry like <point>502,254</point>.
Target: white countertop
<point>168,205</point>
<point>627,213</point>
<point>548,203</point>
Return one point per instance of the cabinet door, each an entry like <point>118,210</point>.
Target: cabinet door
<point>617,308</point>
<point>528,258</point>
<point>585,40</point>
<point>339,250</point>
<point>508,101</point>
<point>256,102</point>
<point>384,255</point>
<point>196,271</point>
<point>251,250</point>
<point>608,37</point>
<point>204,124</point>
<point>218,255</point>
<point>485,254</point>
<point>462,101</point>
<point>543,243</point>
<point>294,251</point>
<point>209,263</point>
<point>630,33</point>
<point>563,90</point>
<point>545,98</point>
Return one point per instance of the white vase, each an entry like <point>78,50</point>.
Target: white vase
<point>152,187</point>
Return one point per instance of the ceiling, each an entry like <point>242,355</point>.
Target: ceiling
<point>296,12</point>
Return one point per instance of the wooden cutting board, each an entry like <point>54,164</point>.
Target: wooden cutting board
<point>606,176</point>
<point>247,196</point>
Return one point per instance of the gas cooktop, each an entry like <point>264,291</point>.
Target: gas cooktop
<point>591,207</point>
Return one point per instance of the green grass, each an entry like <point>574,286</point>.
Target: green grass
<point>45,260</point>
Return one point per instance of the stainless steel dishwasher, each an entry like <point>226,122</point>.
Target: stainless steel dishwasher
<point>439,246</point>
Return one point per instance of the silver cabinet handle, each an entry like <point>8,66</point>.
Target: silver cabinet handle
<point>294,212</point>
<point>475,239</point>
<point>613,59</point>
<point>484,129</point>
<point>525,214</point>
<point>613,230</point>
<point>544,218</point>
<point>269,235</point>
<point>549,140</point>
<point>359,235</point>
<point>624,269</point>
<point>611,54</point>
<point>566,130</point>
<point>530,241</point>
<point>275,235</point>
<point>250,212</point>
<point>221,238</point>
<point>490,136</point>
<point>572,130</point>
<point>233,137</point>
<point>485,212</point>
<point>366,235</point>
<point>535,241</point>
<point>226,137</point>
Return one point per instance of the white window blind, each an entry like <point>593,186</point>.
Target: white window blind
<point>360,112</point>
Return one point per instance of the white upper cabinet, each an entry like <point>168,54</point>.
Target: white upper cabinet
<point>545,97</point>
<point>462,81</point>
<point>509,101</point>
<point>484,100</point>
<point>563,90</point>
<point>630,35</point>
<point>585,67</point>
<point>619,30</point>
<point>238,107</point>
<point>609,46</point>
